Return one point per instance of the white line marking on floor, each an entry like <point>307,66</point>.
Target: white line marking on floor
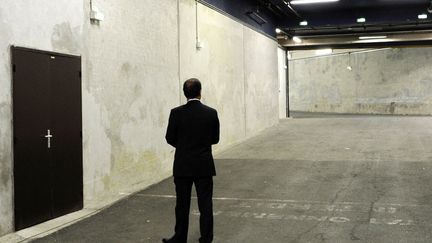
<point>287,200</point>
<point>303,217</point>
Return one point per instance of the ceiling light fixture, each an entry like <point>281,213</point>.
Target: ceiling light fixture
<point>298,2</point>
<point>374,40</point>
<point>278,31</point>
<point>361,20</point>
<point>422,16</point>
<point>304,23</point>
<point>324,52</point>
<point>297,39</point>
<point>372,37</point>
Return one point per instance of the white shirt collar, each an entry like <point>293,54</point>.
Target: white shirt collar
<point>194,99</point>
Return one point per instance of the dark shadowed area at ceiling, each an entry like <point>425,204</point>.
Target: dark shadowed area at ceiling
<point>330,18</point>
<point>255,13</point>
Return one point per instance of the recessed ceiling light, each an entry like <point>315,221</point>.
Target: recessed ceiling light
<point>304,23</point>
<point>277,30</point>
<point>422,16</point>
<point>361,20</point>
<point>372,37</point>
<point>297,39</point>
<point>294,2</point>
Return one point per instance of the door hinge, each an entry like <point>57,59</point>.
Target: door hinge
<point>14,68</point>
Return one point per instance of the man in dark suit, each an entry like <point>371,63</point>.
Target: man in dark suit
<point>192,129</point>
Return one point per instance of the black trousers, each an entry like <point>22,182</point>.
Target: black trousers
<point>204,189</point>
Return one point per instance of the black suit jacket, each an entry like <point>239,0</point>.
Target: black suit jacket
<point>192,129</point>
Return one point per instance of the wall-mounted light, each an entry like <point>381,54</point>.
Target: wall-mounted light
<point>298,2</point>
<point>199,45</point>
<point>361,20</point>
<point>278,31</point>
<point>96,14</point>
<point>349,66</point>
<point>304,23</point>
<point>422,16</point>
<point>297,39</point>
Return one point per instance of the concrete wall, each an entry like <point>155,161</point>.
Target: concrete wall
<point>134,63</point>
<point>131,82</point>
<point>48,25</point>
<point>282,67</point>
<point>238,68</point>
<point>261,82</point>
<point>388,81</point>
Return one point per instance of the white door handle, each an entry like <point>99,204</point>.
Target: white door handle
<point>49,136</point>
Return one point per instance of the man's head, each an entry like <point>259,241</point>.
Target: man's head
<point>192,88</point>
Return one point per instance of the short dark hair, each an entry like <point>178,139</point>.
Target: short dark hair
<point>192,88</point>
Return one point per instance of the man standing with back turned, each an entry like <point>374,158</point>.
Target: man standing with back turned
<point>192,129</point>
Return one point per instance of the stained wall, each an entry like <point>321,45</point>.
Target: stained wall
<point>134,63</point>
<point>46,25</point>
<point>387,81</point>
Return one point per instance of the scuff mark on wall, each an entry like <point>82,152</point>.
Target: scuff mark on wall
<point>392,107</point>
<point>126,69</point>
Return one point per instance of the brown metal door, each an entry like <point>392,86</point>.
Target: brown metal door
<point>47,135</point>
<point>66,147</point>
<point>31,102</point>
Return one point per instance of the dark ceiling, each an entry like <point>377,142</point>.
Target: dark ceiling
<point>330,18</point>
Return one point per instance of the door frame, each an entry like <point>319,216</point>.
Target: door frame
<point>13,70</point>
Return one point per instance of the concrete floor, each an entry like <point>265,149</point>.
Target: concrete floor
<point>328,179</point>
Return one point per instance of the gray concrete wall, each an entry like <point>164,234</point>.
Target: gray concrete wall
<point>131,82</point>
<point>219,65</point>
<point>134,63</point>
<point>282,67</point>
<point>389,81</point>
<point>238,68</point>
<point>48,25</point>
<point>261,82</point>
<point>132,100</point>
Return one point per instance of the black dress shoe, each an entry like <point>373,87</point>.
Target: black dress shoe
<point>172,240</point>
